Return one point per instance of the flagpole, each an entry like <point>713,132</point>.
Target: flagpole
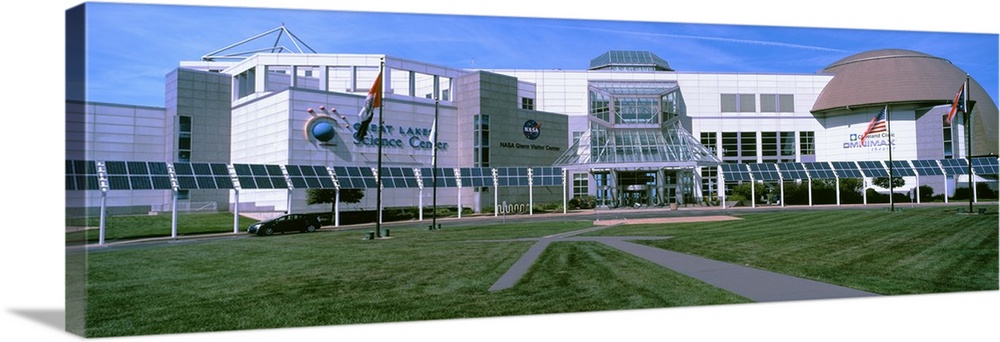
<point>888,129</point>
<point>378,175</point>
<point>968,135</point>
<point>434,162</point>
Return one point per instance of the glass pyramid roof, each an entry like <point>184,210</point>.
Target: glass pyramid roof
<point>671,146</point>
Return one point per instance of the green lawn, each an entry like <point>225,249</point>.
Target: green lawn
<point>925,250</point>
<point>123,227</point>
<point>336,277</point>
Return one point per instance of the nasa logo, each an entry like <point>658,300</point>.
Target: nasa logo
<point>532,129</point>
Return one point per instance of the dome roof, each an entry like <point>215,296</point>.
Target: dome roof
<point>891,76</point>
<point>896,76</point>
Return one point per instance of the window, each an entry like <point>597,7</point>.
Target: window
<point>600,106</point>
<point>527,103</point>
<point>730,144</point>
<point>709,182</point>
<point>748,147</point>
<point>807,143</point>
<point>777,103</point>
<point>630,110</point>
<point>947,139</point>
<point>787,144</point>
<point>709,141</point>
<point>481,140</point>
<point>670,105</point>
<point>246,83</point>
<point>183,138</point>
<point>768,143</point>
<point>738,103</point>
<point>580,184</point>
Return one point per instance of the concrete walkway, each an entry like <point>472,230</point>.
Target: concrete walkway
<point>754,284</point>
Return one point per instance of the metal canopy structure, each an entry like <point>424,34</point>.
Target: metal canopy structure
<point>260,43</point>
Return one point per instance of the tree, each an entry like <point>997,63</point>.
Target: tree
<point>883,182</point>
<point>318,196</point>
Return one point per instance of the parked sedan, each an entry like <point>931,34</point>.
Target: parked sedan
<point>291,222</point>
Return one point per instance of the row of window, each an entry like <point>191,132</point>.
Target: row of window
<point>747,103</point>
<point>779,146</point>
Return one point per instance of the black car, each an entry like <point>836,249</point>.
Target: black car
<point>286,223</point>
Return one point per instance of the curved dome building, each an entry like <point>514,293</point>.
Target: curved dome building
<point>910,80</point>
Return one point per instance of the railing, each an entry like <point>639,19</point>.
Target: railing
<point>192,206</point>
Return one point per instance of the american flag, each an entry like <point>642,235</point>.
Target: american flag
<point>877,125</point>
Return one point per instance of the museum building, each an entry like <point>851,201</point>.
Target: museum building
<point>628,130</point>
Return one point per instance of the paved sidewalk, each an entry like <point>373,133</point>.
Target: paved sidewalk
<point>754,284</point>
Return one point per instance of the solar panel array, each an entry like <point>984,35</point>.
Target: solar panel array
<point>398,177</point>
<point>203,176</point>
<point>927,167</point>
<point>790,171</point>
<point>354,177</point>
<point>902,168</point>
<point>984,166</point>
<point>135,175</point>
<point>512,176</point>
<point>764,172</point>
<point>873,168</point>
<point>477,176</point>
<point>954,167</point>
<point>546,176</point>
<point>735,172</point>
<point>445,177</point>
<point>140,175</point>
<point>821,170</point>
<point>82,175</point>
<point>309,177</point>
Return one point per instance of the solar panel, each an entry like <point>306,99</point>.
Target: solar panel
<point>953,167</point>
<point>790,171</point>
<point>902,168</point>
<point>512,176</point>
<point>735,172</point>
<point>445,177</point>
<point>122,175</point>
<point>260,176</point>
<point>546,176</point>
<point>984,166</point>
<point>116,168</point>
<point>81,175</point>
<point>353,177</point>
<point>927,167</point>
<point>872,168</point>
<point>822,170</point>
<point>184,173</point>
<point>764,171</point>
<point>309,177</point>
<point>160,175</point>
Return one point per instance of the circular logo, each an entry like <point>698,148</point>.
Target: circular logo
<point>321,129</point>
<point>532,129</point>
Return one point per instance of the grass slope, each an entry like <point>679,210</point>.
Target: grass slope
<point>927,250</point>
<point>336,277</point>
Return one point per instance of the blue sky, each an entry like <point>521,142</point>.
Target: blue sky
<point>132,46</point>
